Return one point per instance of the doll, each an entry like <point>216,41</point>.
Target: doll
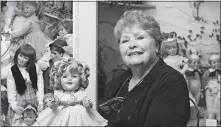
<point>65,32</point>
<point>194,76</point>
<point>212,84</point>
<point>30,30</point>
<point>24,82</point>
<point>170,54</point>
<point>70,79</point>
<point>214,71</point>
<point>28,116</point>
<point>194,82</point>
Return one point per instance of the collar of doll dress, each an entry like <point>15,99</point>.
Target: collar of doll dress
<point>212,70</point>
<point>34,18</point>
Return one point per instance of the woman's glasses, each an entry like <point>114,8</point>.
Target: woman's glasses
<point>114,104</point>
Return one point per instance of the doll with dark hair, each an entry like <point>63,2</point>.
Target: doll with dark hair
<point>24,82</point>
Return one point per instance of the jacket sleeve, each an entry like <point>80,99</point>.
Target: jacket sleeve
<point>170,106</point>
<point>40,84</point>
<point>11,91</point>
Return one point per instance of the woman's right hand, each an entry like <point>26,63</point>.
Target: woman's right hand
<point>19,110</point>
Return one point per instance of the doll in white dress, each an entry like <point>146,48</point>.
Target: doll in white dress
<point>170,54</point>
<point>69,106</point>
<point>211,79</point>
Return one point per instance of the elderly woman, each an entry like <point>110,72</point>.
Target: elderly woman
<point>153,93</point>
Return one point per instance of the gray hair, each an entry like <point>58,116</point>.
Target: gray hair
<point>138,17</point>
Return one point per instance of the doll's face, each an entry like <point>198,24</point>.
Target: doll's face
<point>70,81</point>
<point>28,10</point>
<point>22,60</point>
<point>172,49</point>
<point>215,64</point>
<point>29,117</point>
<point>62,31</point>
<point>194,64</point>
<point>55,55</point>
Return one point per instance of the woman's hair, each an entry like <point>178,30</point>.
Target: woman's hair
<point>168,39</point>
<point>138,18</point>
<point>30,110</point>
<point>28,51</point>
<point>68,26</point>
<point>73,66</point>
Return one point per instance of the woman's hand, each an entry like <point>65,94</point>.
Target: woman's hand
<point>40,107</point>
<point>19,110</point>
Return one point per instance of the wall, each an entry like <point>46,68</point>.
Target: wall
<point>86,43</point>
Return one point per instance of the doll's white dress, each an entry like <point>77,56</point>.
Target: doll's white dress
<point>176,62</point>
<point>76,115</point>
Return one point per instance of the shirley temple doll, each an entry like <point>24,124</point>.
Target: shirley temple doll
<point>170,53</point>
<point>72,106</point>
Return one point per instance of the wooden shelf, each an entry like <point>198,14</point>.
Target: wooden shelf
<point>56,17</point>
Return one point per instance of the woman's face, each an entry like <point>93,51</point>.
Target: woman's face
<point>137,47</point>
<point>172,49</point>
<point>28,10</point>
<point>70,81</point>
<point>22,60</point>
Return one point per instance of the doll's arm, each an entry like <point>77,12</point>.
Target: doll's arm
<point>86,102</point>
<point>185,65</point>
<point>184,69</point>
<point>25,29</point>
<point>11,91</point>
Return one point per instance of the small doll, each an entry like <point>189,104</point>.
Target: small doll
<point>212,85</point>
<point>70,79</point>
<point>216,105</point>
<point>170,53</point>
<point>28,116</point>
<point>194,82</point>
<point>194,76</point>
<point>65,32</point>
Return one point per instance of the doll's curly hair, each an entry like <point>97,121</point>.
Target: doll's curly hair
<point>60,67</point>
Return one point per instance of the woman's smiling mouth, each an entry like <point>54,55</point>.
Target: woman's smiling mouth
<point>135,53</point>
